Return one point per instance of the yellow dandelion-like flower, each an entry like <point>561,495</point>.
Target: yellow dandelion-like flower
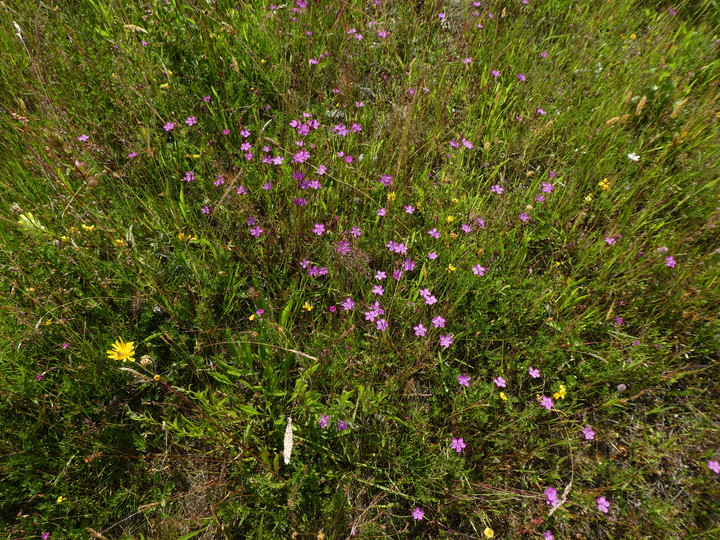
<point>604,184</point>
<point>307,306</point>
<point>588,198</point>
<point>488,532</point>
<point>88,227</point>
<point>182,237</point>
<point>156,378</point>
<point>61,499</point>
<point>451,268</point>
<point>119,242</point>
<point>122,351</point>
<point>391,196</point>
<point>560,394</point>
<point>450,219</point>
<point>503,396</point>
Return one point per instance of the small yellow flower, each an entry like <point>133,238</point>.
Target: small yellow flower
<point>418,205</point>
<point>252,317</point>
<point>122,351</point>
<point>488,532</point>
<point>632,36</point>
<point>450,219</point>
<point>503,396</point>
<point>119,242</point>
<point>391,196</point>
<point>182,237</point>
<point>451,268</point>
<point>307,306</point>
<point>196,156</point>
<point>455,200</point>
<point>156,378</point>
<point>164,85</point>
<point>64,238</point>
<point>61,499</point>
<point>560,394</point>
<point>604,184</point>
<point>88,227</point>
<point>588,198</point>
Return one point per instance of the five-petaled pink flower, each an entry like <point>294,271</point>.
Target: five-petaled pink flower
<point>497,189</point>
<point>603,504</point>
<point>670,261</point>
<point>464,380</point>
<point>417,514</point>
<point>458,444</point>
<point>446,340</point>
<point>714,466</point>
<point>500,382</point>
<point>191,121</point>
<point>546,402</point>
<point>589,433</point>
<point>534,372</point>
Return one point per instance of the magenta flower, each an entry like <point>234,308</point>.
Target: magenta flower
<point>497,189</point>
<point>420,330</point>
<point>348,304</point>
<point>343,247</point>
<point>446,341</point>
<point>386,180</point>
<point>464,380</point>
<point>466,228</point>
<point>409,209</point>
<point>714,466</point>
<point>543,54</point>
<point>524,217</point>
<point>189,176</point>
<point>381,212</point>
<point>670,261</point>
<point>521,77</point>
<point>500,382</point>
<point>319,229</point>
<point>205,209</point>
<point>546,402</point>
<point>603,504</point>
<point>83,138</point>
<point>540,111</point>
<point>169,126</point>
<point>495,73</point>
<point>38,377</point>
<point>534,372</point>
<point>434,233</point>
<point>324,421</point>
<point>479,270</point>
<point>380,275</point>
<point>551,496</point>
<point>45,536</point>
<point>342,426</point>
<point>356,232</point>
<point>378,290</point>
<point>256,231</point>
<point>547,187</point>
<point>438,322</point>
<point>589,433</point>
<point>301,157</point>
<point>548,535</point>
<point>417,514</point>
<point>458,445</point>
<point>382,325</point>
<point>191,121</point>
<point>432,255</point>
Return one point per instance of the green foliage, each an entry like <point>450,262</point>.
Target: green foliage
<point>596,265</point>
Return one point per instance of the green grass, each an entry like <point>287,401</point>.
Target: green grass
<point>104,239</point>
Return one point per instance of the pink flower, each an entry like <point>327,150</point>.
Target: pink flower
<point>497,189</point>
<point>479,270</point>
<point>458,444</point>
<point>83,138</point>
<point>495,73</point>
<point>438,322</point>
<point>551,496</point>
<point>382,325</point>
<point>417,514</point>
<point>420,331</point>
<point>589,433</point>
<point>191,121</point>
<point>319,229</point>
<point>603,504</point>
<point>500,382</point>
<point>446,341</point>
<point>670,261</point>
<point>714,466</point>
<point>534,372</point>
<point>521,77</point>
<point>464,380</point>
<point>324,421</point>
<point>548,535</point>
<point>546,402</point>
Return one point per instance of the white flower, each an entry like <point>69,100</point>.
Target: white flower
<point>633,156</point>
<point>288,443</point>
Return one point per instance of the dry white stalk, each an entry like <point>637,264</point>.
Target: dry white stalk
<point>288,443</point>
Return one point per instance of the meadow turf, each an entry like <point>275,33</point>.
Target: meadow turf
<point>390,269</point>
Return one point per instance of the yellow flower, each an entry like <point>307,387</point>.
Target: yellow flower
<point>61,499</point>
<point>560,394</point>
<point>307,306</point>
<point>252,317</point>
<point>119,242</point>
<point>455,200</point>
<point>451,268</point>
<point>164,85</point>
<point>488,532</point>
<point>503,396</point>
<point>391,196</point>
<point>122,351</point>
<point>588,198</point>
<point>604,184</point>
<point>156,378</point>
<point>88,227</point>
<point>182,237</point>
<point>64,238</point>
<point>450,219</point>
